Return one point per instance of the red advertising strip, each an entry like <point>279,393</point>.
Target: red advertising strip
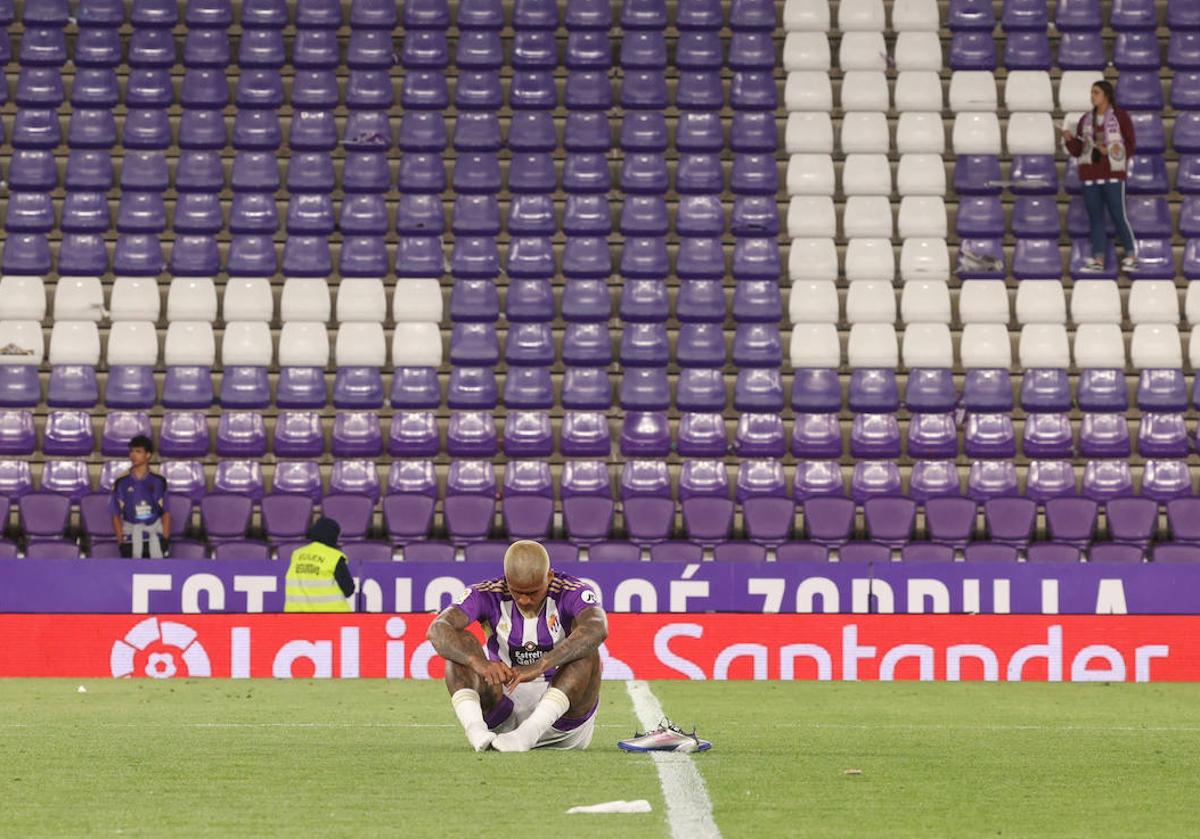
<point>642,646</point>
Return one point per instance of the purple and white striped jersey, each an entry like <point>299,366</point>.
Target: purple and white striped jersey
<point>515,639</point>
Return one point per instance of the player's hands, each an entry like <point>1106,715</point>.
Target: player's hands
<point>523,673</point>
<point>493,673</point>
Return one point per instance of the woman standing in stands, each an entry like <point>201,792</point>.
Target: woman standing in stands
<point>1103,143</point>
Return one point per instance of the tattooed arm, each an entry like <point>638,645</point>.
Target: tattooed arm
<point>449,636</point>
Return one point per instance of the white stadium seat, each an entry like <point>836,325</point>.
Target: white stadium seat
<point>927,346</point>
<point>806,16</point>
<point>1153,301</point>
<point>867,217</point>
<point>1041,301</point>
<point>248,298</point>
<point>924,259</point>
<point>973,90</point>
<point>813,259</point>
<point>809,132</point>
<point>361,299</point>
<point>866,174</point>
<point>1028,90</point>
<point>870,259</point>
<point>192,298</point>
<point>873,345</point>
<point>985,346</point>
<point>920,132</point>
<point>1096,301</point>
<point>864,90</point>
<point>976,133</point>
<point>1194,349</point>
<point>815,346</point>
<point>1191,303</point>
<point>861,15</point>
<point>1155,346</point>
<point>360,345</point>
<point>417,300</point>
<point>74,342</point>
<point>862,51</point>
<point>303,344</point>
<point>925,301</point>
<point>247,343</point>
<point>918,90</point>
<point>1044,346</point>
<point>983,301</point>
<point>921,174</point>
<point>1075,89</point>
<point>808,90</point>
<point>810,174</point>
<point>813,301</point>
<point>1099,346</point>
<point>922,216</point>
<point>811,217</point>
<point>915,16</point>
<point>304,299</point>
<point>865,132</point>
<point>417,345</point>
<point>918,51</point>
<point>1031,133</point>
<point>130,342</point>
<point>190,343</point>
<point>806,51</point>
<point>134,298</point>
<point>871,301</point>
<point>24,297</point>
<point>76,298</point>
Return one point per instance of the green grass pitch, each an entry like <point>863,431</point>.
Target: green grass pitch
<point>374,758</point>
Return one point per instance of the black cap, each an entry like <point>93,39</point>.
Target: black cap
<point>141,441</point>
<point>326,531</point>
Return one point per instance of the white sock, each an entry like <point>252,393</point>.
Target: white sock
<point>470,714</point>
<point>553,704</point>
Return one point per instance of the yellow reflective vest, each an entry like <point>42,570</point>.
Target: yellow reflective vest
<point>310,583</point>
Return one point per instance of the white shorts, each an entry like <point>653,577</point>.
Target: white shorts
<point>525,698</point>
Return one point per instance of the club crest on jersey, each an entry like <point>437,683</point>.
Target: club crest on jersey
<point>552,624</point>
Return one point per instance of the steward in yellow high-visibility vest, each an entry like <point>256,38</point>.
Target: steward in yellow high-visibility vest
<point>318,578</point>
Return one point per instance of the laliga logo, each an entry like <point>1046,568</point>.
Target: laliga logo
<point>161,646</point>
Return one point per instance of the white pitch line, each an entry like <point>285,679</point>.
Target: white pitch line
<point>689,809</point>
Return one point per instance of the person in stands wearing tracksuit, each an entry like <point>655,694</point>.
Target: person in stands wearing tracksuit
<point>1103,142</point>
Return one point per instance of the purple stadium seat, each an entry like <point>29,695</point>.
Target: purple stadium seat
<point>67,432</point>
<point>409,504</point>
<point>1078,14</point>
<point>950,521</point>
<point>239,477</point>
<point>66,477</point>
<point>1027,51</point>
<point>52,549</point>
<point>184,477</point>
<point>354,513</point>
<point>1082,50</point>
<point>1110,553</point>
<point>829,521</point>
<point>1132,521</point>
<point>297,477</point>
<point>587,500</point>
<point>1133,14</point>
<point>242,549</point>
<point>119,428</point>
<point>990,552</point>
<point>678,551</point>
<point>225,516</point>
<point>44,515</point>
<point>1072,520</point>
<point>470,500</point>
<point>1010,521</point>
<point>286,517</point>
<point>240,434</point>
<point>890,520</point>
<point>704,496</point>
<point>1176,552</point>
<point>648,507</point>
<point>528,499</point>
<point>1052,552</point>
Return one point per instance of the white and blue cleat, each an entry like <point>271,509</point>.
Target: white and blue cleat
<point>666,738</point>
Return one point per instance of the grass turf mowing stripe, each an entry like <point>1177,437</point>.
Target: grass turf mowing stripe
<point>689,809</point>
